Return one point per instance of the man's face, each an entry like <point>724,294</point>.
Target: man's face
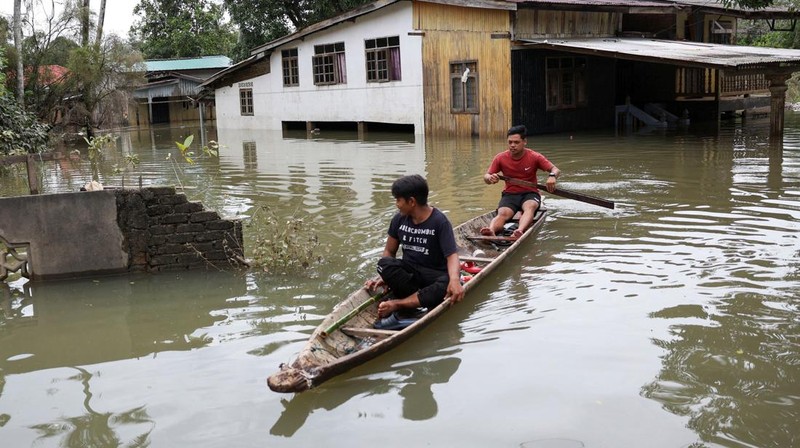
<point>404,206</point>
<point>516,145</point>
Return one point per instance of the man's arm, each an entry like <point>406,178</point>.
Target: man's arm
<point>454,289</point>
<point>389,250</point>
<point>551,178</point>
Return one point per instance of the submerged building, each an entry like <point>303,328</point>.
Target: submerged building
<point>471,68</point>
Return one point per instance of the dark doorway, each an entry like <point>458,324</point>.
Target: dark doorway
<point>160,110</point>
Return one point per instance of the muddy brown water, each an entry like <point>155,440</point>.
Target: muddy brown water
<point>671,321</point>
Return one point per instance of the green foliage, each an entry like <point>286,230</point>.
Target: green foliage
<point>284,247</point>
<point>131,161</point>
<point>748,4</point>
<point>210,150</point>
<point>181,28</point>
<point>20,132</point>
<point>96,147</point>
<point>58,52</point>
<point>97,72</point>
<point>189,156</point>
<point>98,144</point>
<point>757,33</point>
<point>261,21</point>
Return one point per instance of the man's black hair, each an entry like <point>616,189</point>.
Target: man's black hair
<point>518,129</point>
<point>413,186</point>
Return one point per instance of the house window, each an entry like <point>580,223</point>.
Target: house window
<point>291,74</point>
<point>720,32</point>
<point>566,83</point>
<point>249,156</point>
<point>464,87</point>
<point>246,101</point>
<point>383,59</point>
<point>329,64</point>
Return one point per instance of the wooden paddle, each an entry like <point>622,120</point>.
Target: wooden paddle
<point>563,193</point>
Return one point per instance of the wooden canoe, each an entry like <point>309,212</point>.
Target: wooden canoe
<point>327,355</point>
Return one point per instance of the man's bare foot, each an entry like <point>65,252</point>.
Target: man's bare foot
<point>517,233</point>
<point>485,231</point>
<point>386,308</point>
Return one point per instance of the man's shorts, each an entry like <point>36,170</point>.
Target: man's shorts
<point>514,201</point>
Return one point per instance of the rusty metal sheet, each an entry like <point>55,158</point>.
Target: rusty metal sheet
<point>680,53</point>
<point>543,4</point>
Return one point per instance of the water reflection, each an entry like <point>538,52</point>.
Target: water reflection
<point>129,428</point>
<point>64,324</point>
<point>705,241</point>
<point>732,370</point>
<point>412,381</point>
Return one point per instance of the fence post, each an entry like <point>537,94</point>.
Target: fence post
<point>33,178</point>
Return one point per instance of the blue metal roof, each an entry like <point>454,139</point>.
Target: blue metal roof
<point>205,62</point>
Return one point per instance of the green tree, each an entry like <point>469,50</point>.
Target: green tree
<point>20,132</point>
<point>101,73</point>
<point>181,28</point>
<point>261,21</point>
<point>748,4</point>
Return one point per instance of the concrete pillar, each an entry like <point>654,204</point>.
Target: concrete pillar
<point>33,177</point>
<point>362,130</point>
<point>777,90</point>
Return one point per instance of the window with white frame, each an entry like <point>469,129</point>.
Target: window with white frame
<point>383,59</point>
<point>329,64</point>
<point>246,101</point>
<point>566,82</point>
<point>464,87</point>
<point>291,72</point>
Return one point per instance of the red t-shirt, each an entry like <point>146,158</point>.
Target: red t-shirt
<point>524,169</point>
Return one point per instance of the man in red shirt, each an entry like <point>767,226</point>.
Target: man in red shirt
<point>522,163</point>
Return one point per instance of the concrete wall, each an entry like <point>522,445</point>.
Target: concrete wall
<point>116,231</point>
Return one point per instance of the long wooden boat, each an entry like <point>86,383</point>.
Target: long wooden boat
<point>333,349</point>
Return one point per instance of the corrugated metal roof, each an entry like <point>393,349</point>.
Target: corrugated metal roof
<point>180,86</point>
<point>205,62</point>
<point>733,8</point>
<point>370,7</point>
<point>645,6</point>
<point>596,4</point>
<point>673,52</point>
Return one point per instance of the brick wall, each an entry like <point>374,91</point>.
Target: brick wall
<point>162,231</point>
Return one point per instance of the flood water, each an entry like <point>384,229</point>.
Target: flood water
<point>671,321</point>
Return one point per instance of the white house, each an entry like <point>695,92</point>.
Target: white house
<point>369,71</point>
<point>367,68</point>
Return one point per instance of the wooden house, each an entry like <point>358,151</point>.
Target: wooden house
<point>580,64</point>
<point>170,91</point>
<point>474,67</point>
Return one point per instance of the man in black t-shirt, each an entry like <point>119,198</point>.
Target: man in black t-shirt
<point>429,270</point>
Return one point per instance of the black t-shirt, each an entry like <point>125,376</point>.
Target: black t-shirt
<point>427,243</point>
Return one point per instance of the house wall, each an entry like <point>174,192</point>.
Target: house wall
<point>708,35</point>
<point>399,102</point>
<point>465,34</point>
<point>532,23</point>
<point>695,26</point>
<point>661,26</point>
<point>179,112</point>
<point>530,103</point>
